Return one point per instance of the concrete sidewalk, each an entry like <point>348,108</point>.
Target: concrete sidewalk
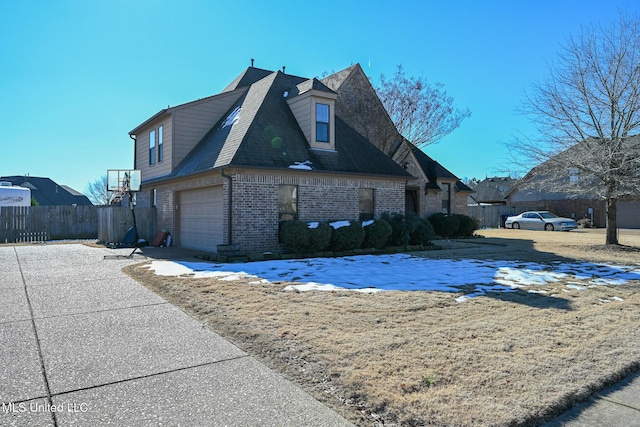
<point>617,406</point>
<point>81,343</point>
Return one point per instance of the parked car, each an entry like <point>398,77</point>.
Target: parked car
<point>540,220</point>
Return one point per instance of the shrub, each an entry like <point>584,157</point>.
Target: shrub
<point>444,225</point>
<point>347,237</point>
<point>294,235</point>
<point>467,225</point>
<point>319,237</point>
<point>400,229</point>
<point>376,234</point>
<point>423,233</point>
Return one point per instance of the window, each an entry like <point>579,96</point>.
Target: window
<point>160,144</point>
<point>365,198</point>
<point>322,123</point>
<point>446,197</point>
<point>152,147</point>
<point>288,202</point>
<point>154,197</point>
<point>574,175</point>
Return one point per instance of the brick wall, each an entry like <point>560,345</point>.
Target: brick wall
<point>255,213</point>
<point>255,202</point>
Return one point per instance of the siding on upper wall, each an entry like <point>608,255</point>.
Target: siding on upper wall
<point>192,121</point>
<point>142,149</point>
<point>301,109</point>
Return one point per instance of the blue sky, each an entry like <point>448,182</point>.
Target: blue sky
<point>77,76</point>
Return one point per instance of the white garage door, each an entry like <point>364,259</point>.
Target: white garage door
<point>629,214</point>
<point>201,218</point>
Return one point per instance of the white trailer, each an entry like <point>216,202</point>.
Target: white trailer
<point>14,196</point>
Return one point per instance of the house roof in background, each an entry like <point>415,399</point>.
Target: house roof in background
<point>47,192</point>
<point>493,190</point>
<point>260,130</point>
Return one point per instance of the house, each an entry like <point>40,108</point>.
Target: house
<point>492,191</point>
<point>48,193</point>
<point>542,189</point>
<point>433,188</point>
<point>225,170</point>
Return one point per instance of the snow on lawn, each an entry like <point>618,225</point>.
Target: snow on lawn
<point>373,273</point>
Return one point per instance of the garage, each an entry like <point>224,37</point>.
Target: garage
<point>629,214</point>
<point>201,218</point>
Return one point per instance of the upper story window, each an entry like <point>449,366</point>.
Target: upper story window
<point>288,202</point>
<point>322,122</point>
<point>574,175</point>
<point>160,144</point>
<point>365,202</point>
<point>152,147</point>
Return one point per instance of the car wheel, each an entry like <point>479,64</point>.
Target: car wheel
<point>515,226</point>
<point>548,227</point>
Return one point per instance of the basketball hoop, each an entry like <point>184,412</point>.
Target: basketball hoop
<point>127,181</point>
<point>123,180</point>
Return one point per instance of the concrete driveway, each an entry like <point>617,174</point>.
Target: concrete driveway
<point>81,343</point>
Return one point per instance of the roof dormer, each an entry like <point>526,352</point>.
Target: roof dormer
<point>314,109</point>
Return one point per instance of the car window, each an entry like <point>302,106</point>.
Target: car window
<point>548,215</point>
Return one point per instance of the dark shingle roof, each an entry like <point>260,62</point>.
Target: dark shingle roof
<point>260,130</point>
<point>493,190</point>
<point>434,170</point>
<point>47,192</point>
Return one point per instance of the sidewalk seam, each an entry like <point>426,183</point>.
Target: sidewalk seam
<point>606,399</point>
<point>38,347</point>
<point>141,377</point>
<point>82,313</point>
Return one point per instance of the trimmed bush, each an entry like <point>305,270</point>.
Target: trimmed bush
<point>319,237</point>
<point>444,225</point>
<point>376,234</point>
<point>400,229</point>
<point>423,233</point>
<point>294,235</point>
<point>347,237</point>
<point>467,225</point>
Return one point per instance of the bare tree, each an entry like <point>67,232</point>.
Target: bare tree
<point>423,113</point>
<point>587,113</point>
<point>97,192</point>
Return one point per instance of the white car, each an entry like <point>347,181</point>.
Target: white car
<point>540,220</point>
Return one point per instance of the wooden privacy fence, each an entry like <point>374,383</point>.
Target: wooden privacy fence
<point>41,223</point>
<point>113,223</point>
<point>490,216</point>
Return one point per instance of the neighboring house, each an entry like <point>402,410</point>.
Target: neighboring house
<point>225,170</point>
<point>533,197</point>
<point>488,203</point>
<point>47,193</point>
<point>492,191</point>
<point>434,188</point>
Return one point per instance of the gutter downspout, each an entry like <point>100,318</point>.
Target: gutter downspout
<point>135,149</point>
<point>229,210</point>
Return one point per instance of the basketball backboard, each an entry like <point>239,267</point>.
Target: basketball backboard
<point>120,180</point>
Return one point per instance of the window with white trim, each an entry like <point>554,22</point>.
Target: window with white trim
<point>160,144</point>
<point>152,147</point>
<point>322,122</point>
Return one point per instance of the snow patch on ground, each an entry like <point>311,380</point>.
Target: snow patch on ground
<point>374,273</point>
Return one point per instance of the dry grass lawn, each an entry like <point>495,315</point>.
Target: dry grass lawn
<point>421,358</point>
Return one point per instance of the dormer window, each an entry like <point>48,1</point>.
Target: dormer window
<point>322,122</point>
<point>314,109</point>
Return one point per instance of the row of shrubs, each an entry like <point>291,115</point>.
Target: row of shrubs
<point>390,230</point>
